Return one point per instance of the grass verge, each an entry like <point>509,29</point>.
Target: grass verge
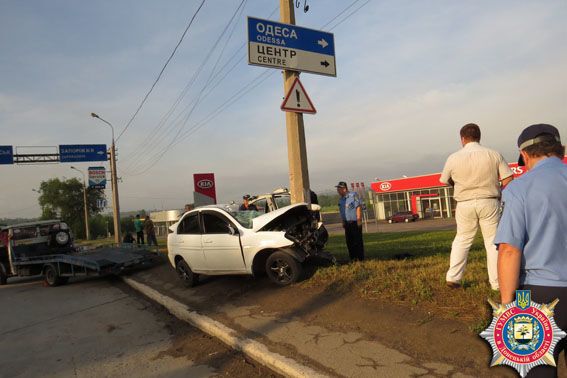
<point>409,269</point>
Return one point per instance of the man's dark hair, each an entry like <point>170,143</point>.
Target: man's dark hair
<point>547,147</point>
<point>471,132</point>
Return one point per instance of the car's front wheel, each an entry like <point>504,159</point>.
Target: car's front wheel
<point>186,275</point>
<point>406,220</point>
<point>283,269</point>
<point>390,221</point>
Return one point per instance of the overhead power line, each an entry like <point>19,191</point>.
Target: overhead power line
<point>161,71</point>
<point>155,137</point>
<point>155,158</point>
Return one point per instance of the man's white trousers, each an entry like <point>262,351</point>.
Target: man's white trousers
<point>469,215</point>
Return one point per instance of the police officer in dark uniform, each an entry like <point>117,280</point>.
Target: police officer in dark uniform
<point>246,205</point>
<point>350,208</point>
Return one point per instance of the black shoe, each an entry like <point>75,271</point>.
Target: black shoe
<point>453,285</point>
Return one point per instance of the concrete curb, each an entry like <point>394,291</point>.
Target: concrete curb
<point>253,349</point>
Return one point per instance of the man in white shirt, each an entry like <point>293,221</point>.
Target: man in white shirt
<point>477,173</point>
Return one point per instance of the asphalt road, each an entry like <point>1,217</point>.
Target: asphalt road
<point>420,225</point>
<point>101,328</point>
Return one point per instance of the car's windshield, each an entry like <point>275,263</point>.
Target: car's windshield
<point>282,201</point>
<point>244,217</point>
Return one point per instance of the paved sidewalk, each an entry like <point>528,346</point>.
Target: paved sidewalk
<point>327,348</point>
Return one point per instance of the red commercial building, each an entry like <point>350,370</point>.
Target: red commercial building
<point>422,195</point>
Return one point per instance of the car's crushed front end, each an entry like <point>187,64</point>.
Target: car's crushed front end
<point>301,226</point>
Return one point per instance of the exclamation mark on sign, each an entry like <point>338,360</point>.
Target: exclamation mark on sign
<point>298,98</point>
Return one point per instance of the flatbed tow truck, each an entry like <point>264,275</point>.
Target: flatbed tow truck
<point>46,248</point>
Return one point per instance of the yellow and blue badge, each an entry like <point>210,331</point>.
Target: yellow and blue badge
<point>523,334</point>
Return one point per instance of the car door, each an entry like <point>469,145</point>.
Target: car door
<point>221,244</point>
<point>188,241</point>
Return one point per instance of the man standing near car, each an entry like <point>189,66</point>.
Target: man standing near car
<point>150,230</point>
<point>477,173</point>
<point>532,248</point>
<point>350,209</point>
<point>246,205</point>
<point>139,228</point>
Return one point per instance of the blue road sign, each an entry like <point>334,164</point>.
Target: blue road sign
<point>277,45</point>
<point>74,153</point>
<point>6,155</point>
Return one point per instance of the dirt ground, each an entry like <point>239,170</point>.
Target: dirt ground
<point>409,330</point>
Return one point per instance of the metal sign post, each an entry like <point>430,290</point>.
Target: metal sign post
<point>294,49</point>
<point>296,148</point>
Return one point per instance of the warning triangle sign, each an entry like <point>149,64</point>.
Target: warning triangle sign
<point>297,100</point>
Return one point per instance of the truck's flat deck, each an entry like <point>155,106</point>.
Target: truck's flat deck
<point>100,259</point>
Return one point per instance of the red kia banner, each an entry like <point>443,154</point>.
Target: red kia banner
<point>427,181</point>
<point>205,185</point>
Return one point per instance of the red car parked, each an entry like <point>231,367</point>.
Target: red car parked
<point>403,216</point>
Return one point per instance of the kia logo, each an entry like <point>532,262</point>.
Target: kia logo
<point>385,186</point>
<point>205,184</point>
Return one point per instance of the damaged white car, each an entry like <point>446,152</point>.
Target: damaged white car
<point>220,239</point>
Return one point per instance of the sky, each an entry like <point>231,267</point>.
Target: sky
<point>409,75</point>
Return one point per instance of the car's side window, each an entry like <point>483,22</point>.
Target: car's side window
<point>262,205</point>
<point>189,225</point>
<point>214,224</point>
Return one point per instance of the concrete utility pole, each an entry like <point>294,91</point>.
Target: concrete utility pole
<point>296,149</point>
<point>114,180</point>
<point>85,203</point>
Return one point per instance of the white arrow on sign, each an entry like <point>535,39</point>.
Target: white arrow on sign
<point>297,100</point>
<point>323,43</point>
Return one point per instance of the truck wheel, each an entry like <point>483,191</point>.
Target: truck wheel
<point>51,276</point>
<point>283,269</point>
<point>186,275</point>
<point>3,275</point>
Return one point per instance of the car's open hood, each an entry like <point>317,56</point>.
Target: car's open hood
<point>259,222</point>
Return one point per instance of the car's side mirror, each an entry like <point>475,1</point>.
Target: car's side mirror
<point>232,230</point>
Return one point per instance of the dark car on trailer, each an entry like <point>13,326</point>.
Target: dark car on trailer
<point>46,248</point>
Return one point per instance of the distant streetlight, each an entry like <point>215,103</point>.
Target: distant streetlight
<point>114,181</point>
<point>85,203</point>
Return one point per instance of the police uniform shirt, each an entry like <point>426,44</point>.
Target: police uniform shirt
<point>348,205</point>
<point>534,220</point>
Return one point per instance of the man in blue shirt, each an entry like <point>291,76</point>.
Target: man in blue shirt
<point>350,208</point>
<point>531,236</point>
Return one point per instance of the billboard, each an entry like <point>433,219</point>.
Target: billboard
<point>205,188</point>
<point>97,177</point>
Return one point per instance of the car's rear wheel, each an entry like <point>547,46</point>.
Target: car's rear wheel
<point>185,274</point>
<point>3,275</point>
<point>283,269</point>
<point>52,277</point>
